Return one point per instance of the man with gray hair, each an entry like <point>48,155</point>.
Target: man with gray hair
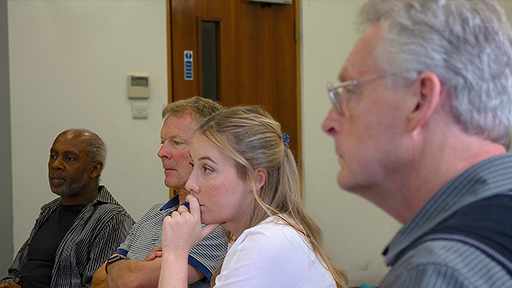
<point>421,123</point>
<point>137,261</point>
<point>78,231</point>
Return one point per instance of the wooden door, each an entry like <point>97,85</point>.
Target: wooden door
<point>241,53</point>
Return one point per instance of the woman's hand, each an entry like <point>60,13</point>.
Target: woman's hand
<point>182,230</point>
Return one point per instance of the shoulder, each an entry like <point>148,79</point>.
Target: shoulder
<point>154,214</point>
<point>273,254</point>
<point>150,222</point>
<point>109,211</point>
<point>52,204</point>
<point>272,237</point>
<point>272,226</point>
<point>443,263</point>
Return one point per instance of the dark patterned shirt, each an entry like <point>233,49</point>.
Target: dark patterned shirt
<point>96,233</point>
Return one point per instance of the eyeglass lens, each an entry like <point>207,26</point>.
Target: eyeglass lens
<point>335,97</point>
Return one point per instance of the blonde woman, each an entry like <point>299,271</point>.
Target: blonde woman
<point>244,178</point>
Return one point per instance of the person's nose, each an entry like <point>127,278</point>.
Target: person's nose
<point>191,185</point>
<point>56,164</point>
<point>329,125</point>
<point>164,151</point>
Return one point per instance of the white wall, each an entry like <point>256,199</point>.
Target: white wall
<point>507,6</point>
<point>69,62</point>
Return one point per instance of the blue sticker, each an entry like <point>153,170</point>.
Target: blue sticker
<point>189,64</point>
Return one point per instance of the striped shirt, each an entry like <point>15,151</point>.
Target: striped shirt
<point>146,234</point>
<point>443,263</point>
<point>90,241</point>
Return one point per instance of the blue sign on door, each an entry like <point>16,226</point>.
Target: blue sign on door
<point>189,61</point>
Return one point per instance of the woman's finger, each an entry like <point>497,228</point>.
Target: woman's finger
<point>194,207</point>
<point>182,208</point>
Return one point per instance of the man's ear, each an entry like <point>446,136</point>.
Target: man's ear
<point>427,98</point>
<point>260,176</point>
<point>96,169</point>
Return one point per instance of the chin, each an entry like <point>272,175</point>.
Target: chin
<point>343,181</point>
<point>206,220</point>
<point>63,192</point>
<point>170,184</point>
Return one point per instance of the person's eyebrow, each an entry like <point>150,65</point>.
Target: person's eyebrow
<point>206,158</point>
<point>170,137</point>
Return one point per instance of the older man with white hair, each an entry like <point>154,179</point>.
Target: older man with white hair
<point>421,122</point>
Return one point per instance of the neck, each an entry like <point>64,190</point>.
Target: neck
<point>428,170</point>
<point>182,194</point>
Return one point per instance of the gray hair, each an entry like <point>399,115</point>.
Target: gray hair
<point>199,108</point>
<point>96,149</point>
<point>467,44</point>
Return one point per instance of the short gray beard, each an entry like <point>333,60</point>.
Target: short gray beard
<point>71,188</point>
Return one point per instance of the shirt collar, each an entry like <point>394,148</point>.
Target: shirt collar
<point>174,201</point>
<point>104,196</point>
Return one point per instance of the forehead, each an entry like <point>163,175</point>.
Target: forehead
<point>69,142</point>
<point>360,62</point>
<point>202,147</point>
<point>180,126</point>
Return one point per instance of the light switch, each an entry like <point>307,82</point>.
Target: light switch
<point>140,110</point>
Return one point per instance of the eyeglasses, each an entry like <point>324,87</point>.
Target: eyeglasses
<point>335,92</point>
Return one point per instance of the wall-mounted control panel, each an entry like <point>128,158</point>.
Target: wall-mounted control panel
<point>138,86</point>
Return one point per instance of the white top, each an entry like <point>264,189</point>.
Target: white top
<point>272,254</point>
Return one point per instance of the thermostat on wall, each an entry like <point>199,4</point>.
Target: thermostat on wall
<point>138,86</point>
